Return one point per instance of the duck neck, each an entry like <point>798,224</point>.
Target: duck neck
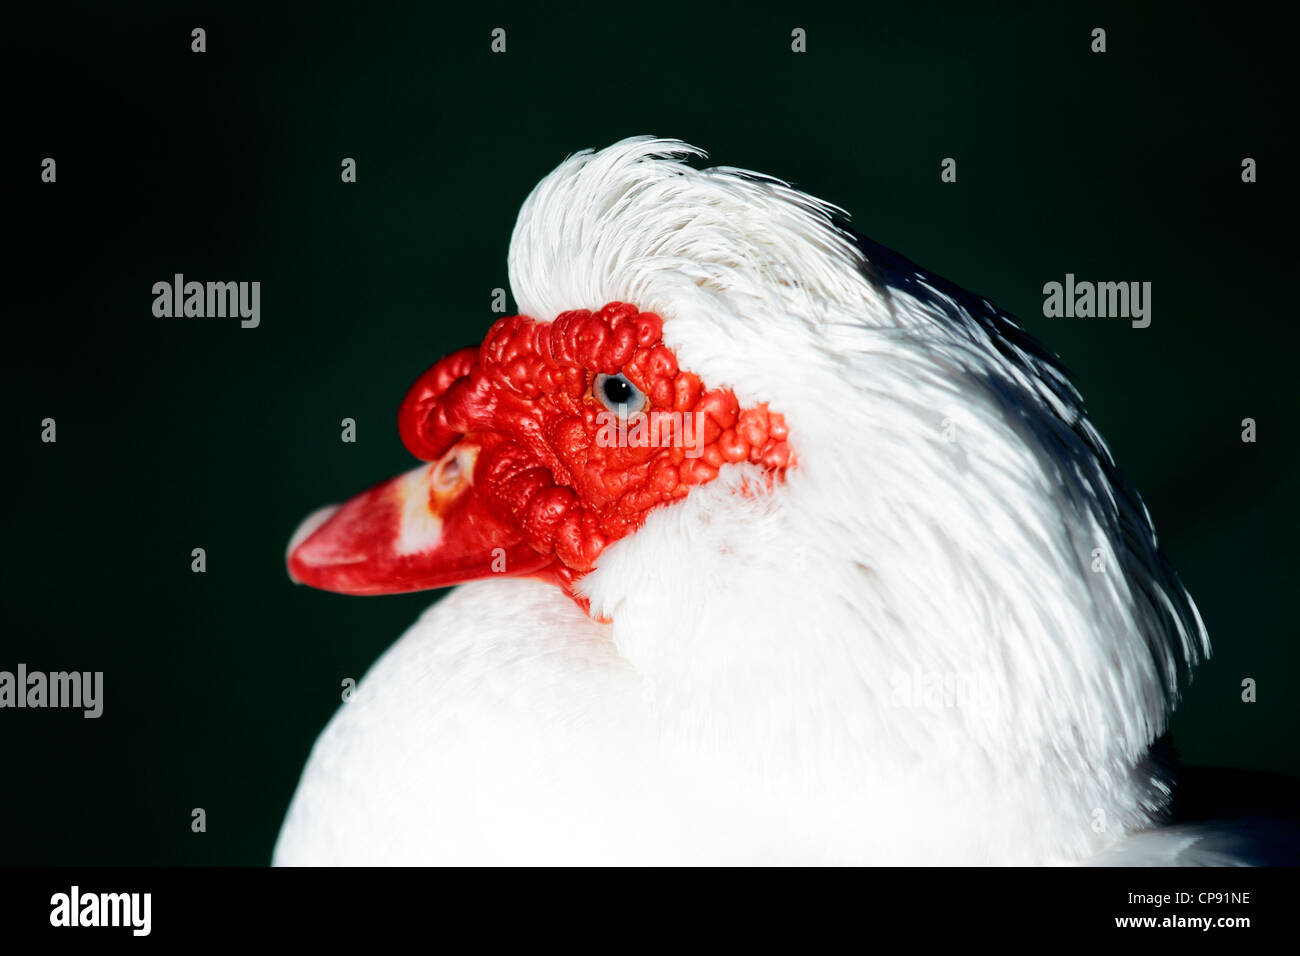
<point>780,659</point>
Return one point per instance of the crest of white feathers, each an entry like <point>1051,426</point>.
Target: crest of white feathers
<point>954,584</point>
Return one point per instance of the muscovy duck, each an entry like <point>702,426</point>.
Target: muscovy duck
<point>892,602</point>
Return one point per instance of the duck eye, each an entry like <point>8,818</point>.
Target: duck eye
<point>617,394</point>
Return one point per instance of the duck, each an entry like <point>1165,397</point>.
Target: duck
<point>871,589</point>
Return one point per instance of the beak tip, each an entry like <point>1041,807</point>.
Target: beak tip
<point>309,526</point>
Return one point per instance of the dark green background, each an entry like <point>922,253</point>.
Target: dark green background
<point>183,433</point>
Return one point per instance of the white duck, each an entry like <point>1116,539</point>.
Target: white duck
<point>904,608</point>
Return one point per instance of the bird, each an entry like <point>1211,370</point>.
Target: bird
<point>767,546</point>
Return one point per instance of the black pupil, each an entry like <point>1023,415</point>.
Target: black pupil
<point>618,390</point>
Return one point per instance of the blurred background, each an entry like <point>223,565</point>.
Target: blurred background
<point>182,433</point>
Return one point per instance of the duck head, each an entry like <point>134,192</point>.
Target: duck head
<point>545,445</point>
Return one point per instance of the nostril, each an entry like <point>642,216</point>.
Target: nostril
<point>448,474</point>
<point>453,470</point>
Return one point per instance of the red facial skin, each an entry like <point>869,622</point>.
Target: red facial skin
<point>546,497</point>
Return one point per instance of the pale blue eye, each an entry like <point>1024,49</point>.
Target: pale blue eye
<point>618,394</point>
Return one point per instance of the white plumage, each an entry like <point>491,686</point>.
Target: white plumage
<point>903,653</point>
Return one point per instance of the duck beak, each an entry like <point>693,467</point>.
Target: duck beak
<point>425,529</point>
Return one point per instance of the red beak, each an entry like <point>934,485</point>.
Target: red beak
<point>429,528</point>
<point>424,529</point>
